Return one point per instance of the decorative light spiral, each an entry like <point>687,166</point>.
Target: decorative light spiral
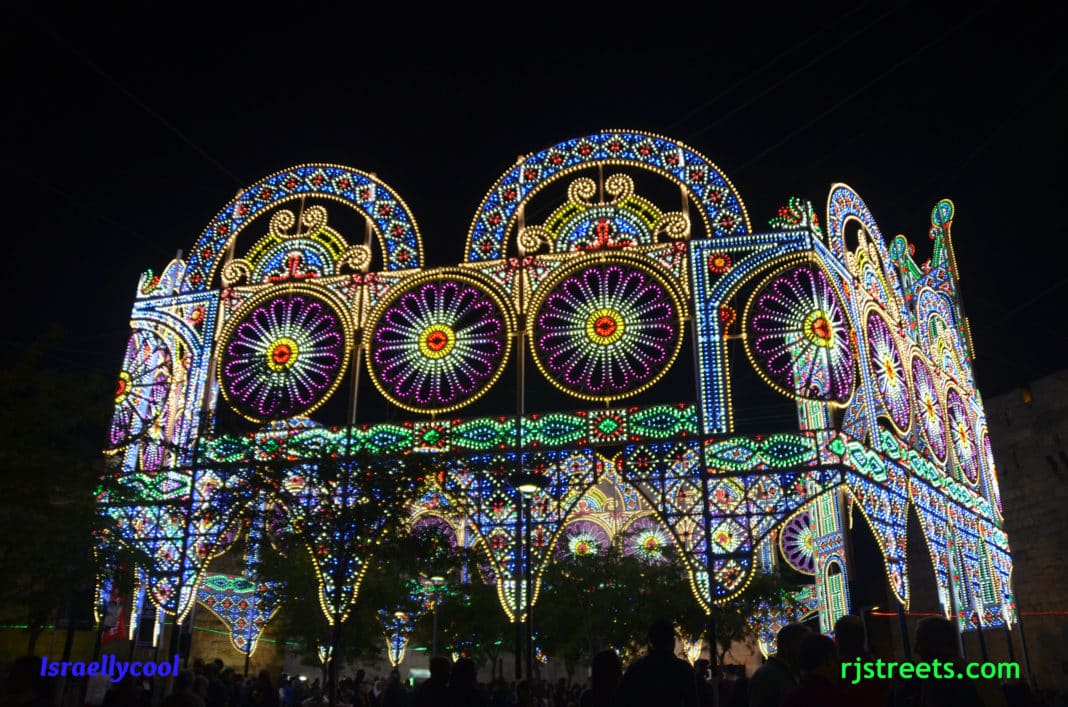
<point>965,450</point>
<point>142,388</point>
<point>283,356</point>
<point>799,337</point>
<point>929,410</point>
<point>606,330</point>
<point>439,344</point>
<point>889,372</point>
<point>797,541</point>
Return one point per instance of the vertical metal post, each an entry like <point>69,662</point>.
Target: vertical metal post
<point>434,640</point>
<point>517,578</point>
<point>528,581</point>
<point>982,641</point>
<point>903,625</point>
<point>1008,641</point>
<point>713,656</point>
<point>1023,646</point>
<point>520,403</point>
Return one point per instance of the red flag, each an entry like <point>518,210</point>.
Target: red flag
<point>114,618</point>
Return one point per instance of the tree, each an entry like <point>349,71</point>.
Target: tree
<point>349,527</point>
<point>471,622</point>
<point>55,420</point>
<point>733,625</point>
<point>607,600</point>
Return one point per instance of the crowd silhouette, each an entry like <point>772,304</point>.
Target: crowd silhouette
<point>808,670</point>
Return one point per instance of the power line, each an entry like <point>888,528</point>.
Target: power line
<point>748,77</point>
<point>897,65</point>
<point>804,67</point>
<point>47,29</point>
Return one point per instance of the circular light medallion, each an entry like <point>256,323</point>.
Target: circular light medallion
<point>797,335</point>
<point>142,388</point>
<point>583,539</point>
<point>283,356</point>
<point>929,410</point>
<point>606,330</point>
<point>439,344</point>
<point>797,541</point>
<point>889,372</point>
<point>965,450</point>
<point>647,540</point>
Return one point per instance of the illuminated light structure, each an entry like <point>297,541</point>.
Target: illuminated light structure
<point>606,297</point>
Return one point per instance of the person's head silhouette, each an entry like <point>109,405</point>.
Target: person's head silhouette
<point>662,636</point>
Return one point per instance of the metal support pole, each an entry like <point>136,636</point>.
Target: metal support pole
<point>527,604</point>
<point>903,625</point>
<point>434,640</point>
<point>1023,647</point>
<point>982,641</point>
<point>713,657</point>
<point>517,577</point>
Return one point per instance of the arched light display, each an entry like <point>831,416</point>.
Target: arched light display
<point>439,344</point>
<point>606,330</point>
<point>283,356</point>
<point>799,336</point>
<point>889,371</point>
<point>605,283</point>
<point>965,450</point>
<point>929,410</point>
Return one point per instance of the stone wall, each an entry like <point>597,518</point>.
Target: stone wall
<point>1029,436</point>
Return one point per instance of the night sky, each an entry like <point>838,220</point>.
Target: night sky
<point>127,136</point>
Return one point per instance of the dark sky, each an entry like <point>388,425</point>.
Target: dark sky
<point>129,135</point>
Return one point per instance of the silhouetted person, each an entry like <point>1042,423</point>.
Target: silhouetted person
<point>936,640</point>
<point>739,692</point>
<point>463,685</point>
<point>820,674</point>
<point>316,699</point>
<point>775,678</point>
<point>658,678</point>
<point>394,695</point>
<point>702,673</point>
<point>435,689</point>
<point>524,694</point>
<point>127,693</point>
<point>183,696</point>
<point>849,636</point>
<point>606,670</point>
<point>263,693</point>
<point>25,686</point>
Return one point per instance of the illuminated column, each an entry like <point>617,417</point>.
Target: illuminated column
<point>832,567</point>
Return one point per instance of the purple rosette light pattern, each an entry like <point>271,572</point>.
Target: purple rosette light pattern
<point>798,336</point>
<point>965,449</point>
<point>889,371</point>
<point>439,344</point>
<point>583,538</point>
<point>929,410</point>
<point>142,388</point>
<point>798,543</point>
<point>646,539</point>
<point>606,331</point>
<point>283,357</point>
